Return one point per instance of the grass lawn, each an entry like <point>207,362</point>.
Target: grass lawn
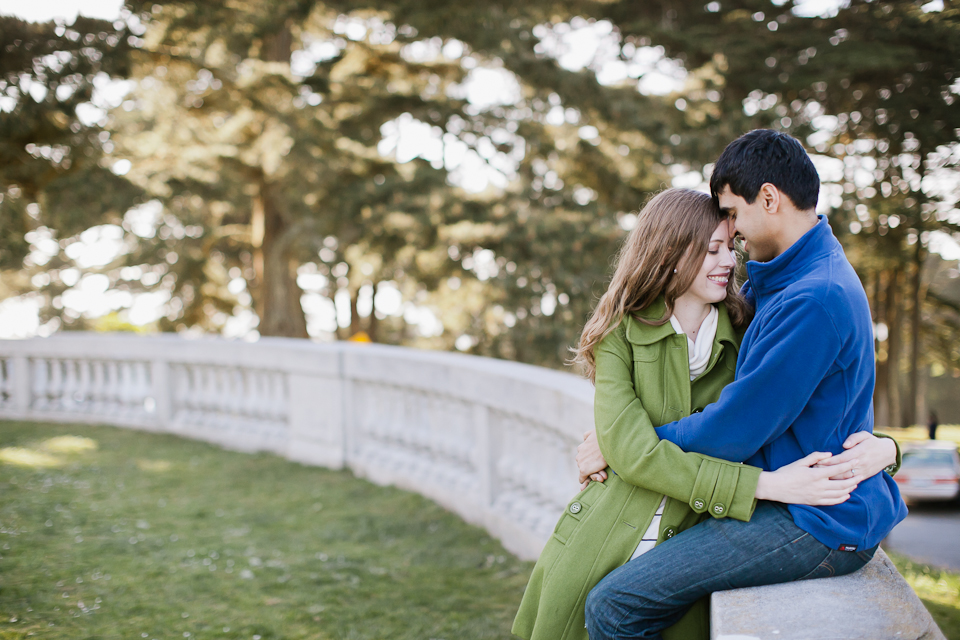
<point>112,533</point>
<point>912,434</point>
<point>939,591</point>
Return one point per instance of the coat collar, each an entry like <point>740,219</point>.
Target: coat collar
<point>769,277</point>
<point>640,333</point>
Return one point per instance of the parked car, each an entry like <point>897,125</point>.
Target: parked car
<point>930,471</point>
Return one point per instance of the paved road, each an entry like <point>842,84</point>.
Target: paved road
<point>930,534</point>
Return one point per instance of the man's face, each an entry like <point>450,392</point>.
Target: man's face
<point>751,222</point>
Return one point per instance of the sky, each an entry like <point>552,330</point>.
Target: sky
<point>576,46</point>
<point>43,10</point>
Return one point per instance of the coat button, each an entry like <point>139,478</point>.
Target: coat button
<point>698,504</point>
<point>718,508</point>
<point>575,507</point>
<point>669,533</point>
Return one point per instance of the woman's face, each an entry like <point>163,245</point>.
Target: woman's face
<point>710,285</point>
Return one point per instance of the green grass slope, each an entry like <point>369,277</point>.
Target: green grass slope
<point>111,533</point>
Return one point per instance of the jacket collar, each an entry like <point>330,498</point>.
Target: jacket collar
<point>769,277</point>
<point>640,333</point>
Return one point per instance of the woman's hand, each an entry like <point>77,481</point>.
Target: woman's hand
<point>875,454</point>
<point>804,482</point>
<point>590,461</point>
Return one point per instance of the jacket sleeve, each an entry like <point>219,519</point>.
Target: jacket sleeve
<point>893,468</point>
<point>631,447</point>
<point>791,358</point>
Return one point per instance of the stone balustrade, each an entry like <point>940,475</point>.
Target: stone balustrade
<point>492,441</point>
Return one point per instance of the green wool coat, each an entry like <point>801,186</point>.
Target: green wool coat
<point>642,381</point>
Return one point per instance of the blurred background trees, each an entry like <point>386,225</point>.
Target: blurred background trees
<point>459,175</point>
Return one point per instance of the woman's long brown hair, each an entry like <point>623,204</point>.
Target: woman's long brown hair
<point>662,255</point>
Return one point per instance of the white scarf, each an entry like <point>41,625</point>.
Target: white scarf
<point>699,351</point>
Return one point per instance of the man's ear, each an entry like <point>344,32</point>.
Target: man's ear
<point>769,198</point>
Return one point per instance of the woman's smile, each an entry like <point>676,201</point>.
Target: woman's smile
<point>720,279</point>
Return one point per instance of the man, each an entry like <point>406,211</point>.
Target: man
<point>805,378</point>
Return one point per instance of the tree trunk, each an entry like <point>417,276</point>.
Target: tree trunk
<point>917,367</point>
<point>354,314</point>
<point>373,324</point>
<point>279,295</point>
<point>893,348</point>
<point>922,396</point>
<point>915,401</point>
<point>278,46</point>
<point>881,408</point>
<point>278,301</point>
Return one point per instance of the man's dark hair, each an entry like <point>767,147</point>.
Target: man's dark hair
<point>761,156</point>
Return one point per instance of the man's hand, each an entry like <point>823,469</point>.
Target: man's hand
<point>874,455</point>
<point>590,461</point>
<point>807,481</point>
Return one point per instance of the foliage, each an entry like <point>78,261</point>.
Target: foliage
<point>51,176</point>
<point>262,132</point>
<point>156,536</point>
<point>379,220</point>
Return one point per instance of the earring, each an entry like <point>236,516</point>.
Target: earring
<point>674,270</point>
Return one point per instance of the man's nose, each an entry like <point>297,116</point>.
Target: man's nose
<point>732,226</point>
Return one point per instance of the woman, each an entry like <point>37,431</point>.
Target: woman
<point>662,343</point>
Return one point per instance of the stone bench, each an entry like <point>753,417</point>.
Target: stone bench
<point>875,603</point>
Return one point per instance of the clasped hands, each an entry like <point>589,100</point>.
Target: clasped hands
<point>817,479</point>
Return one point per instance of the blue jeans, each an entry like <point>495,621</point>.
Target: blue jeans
<point>650,593</point>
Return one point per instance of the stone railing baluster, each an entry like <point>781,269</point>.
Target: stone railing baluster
<point>55,384</point>
<point>19,368</point>
<point>98,386</point>
<point>6,382</point>
<point>83,385</point>
<point>38,390</point>
<point>69,388</point>
<point>160,401</point>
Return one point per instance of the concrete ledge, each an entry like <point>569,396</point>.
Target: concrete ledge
<point>875,603</point>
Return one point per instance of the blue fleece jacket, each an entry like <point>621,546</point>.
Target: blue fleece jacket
<point>804,383</point>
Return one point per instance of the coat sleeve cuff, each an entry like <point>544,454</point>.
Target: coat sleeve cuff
<point>725,489</point>
<point>704,486</point>
<point>744,498</point>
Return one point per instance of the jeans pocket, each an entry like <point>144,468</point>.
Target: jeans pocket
<point>867,554</point>
<point>840,563</point>
<point>824,570</point>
